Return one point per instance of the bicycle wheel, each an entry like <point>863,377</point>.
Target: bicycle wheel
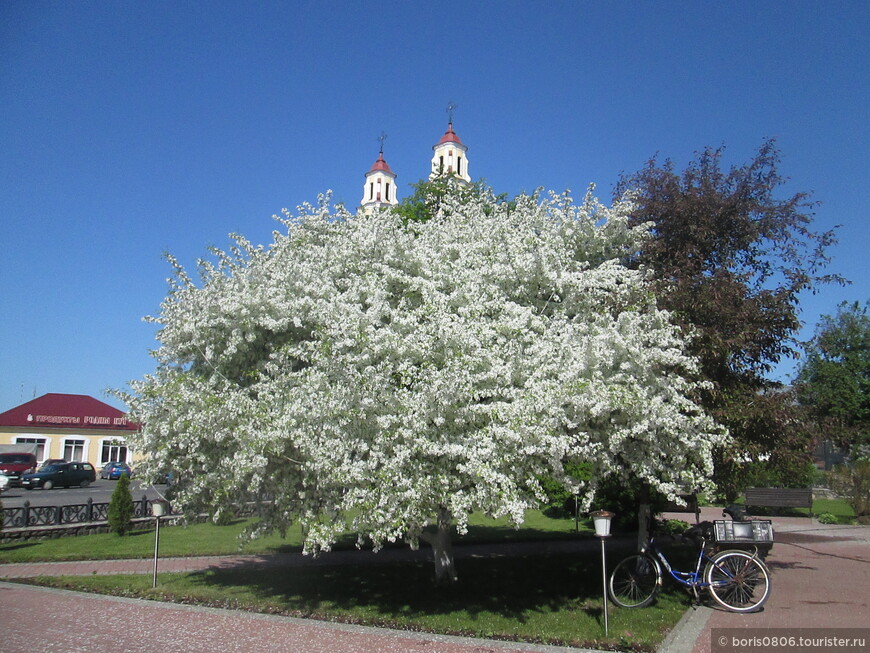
<point>635,581</point>
<point>738,581</point>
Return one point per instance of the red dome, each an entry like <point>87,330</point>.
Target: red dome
<point>381,166</point>
<point>450,136</point>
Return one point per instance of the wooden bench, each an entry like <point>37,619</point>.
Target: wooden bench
<point>780,497</point>
<point>690,507</point>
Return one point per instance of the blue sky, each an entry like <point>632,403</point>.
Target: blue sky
<point>132,129</point>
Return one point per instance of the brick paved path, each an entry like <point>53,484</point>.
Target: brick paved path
<point>38,620</point>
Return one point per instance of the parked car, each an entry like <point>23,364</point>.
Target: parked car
<point>14,465</point>
<point>65,474</point>
<point>113,471</point>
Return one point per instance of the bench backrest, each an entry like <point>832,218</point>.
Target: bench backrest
<point>779,497</point>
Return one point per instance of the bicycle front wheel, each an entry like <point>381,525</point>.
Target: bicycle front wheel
<point>635,581</point>
<point>738,581</point>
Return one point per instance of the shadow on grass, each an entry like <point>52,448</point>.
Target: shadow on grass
<point>476,535</point>
<point>509,587</point>
<point>487,534</point>
<point>22,545</point>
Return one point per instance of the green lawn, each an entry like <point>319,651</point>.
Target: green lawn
<point>551,599</point>
<point>840,508</point>
<point>555,599</point>
<point>210,539</point>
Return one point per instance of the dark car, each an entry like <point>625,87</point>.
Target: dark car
<point>65,474</point>
<point>114,471</point>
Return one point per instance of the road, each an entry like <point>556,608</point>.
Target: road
<point>100,491</point>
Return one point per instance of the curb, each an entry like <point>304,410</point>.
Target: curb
<point>683,636</point>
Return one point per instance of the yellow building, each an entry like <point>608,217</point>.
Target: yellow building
<point>71,427</point>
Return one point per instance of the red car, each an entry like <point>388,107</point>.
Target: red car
<point>15,465</point>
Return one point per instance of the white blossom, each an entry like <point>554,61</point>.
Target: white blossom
<point>368,374</point>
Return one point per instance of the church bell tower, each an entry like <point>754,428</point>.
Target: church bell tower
<point>449,156</point>
<point>380,184</point>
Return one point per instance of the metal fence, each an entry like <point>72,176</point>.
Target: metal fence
<point>82,513</point>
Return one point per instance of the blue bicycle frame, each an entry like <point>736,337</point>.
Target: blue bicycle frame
<point>691,579</point>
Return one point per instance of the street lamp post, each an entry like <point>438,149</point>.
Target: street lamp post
<point>601,519</point>
<point>158,509</point>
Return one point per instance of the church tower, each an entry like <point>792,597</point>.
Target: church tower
<point>449,155</point>
<point>380,184</point>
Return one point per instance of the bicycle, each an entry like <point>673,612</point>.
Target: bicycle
<point>737,580</point>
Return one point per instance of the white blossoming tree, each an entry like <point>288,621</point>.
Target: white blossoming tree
<point>388,377</point>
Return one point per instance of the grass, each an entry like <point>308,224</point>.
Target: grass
<point>554,599</point>
<point>551,599</point>
<point>840,508</point>
<point>210,539</point>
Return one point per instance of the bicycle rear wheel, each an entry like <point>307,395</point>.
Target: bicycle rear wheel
<point>738,581</point>
<point>635,581</point>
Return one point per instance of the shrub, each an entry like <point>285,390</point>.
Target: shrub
<point>121,507</point>
<point>827,518</point>
<point>673,527</point>
<point>560,502</point>
<point>765,474</point>
<point>852,482</point>
<point>623,498</point>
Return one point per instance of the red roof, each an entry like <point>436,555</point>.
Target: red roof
<point>61,411</point>
<point>450,136</point>
<point>381,165</point>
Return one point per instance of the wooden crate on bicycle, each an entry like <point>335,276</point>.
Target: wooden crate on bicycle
<point>752,535</point>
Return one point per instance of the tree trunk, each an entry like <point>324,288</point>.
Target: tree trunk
<point>442,549</point>
<point>644,514</point>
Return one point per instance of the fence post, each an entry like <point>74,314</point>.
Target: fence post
<point>58,515</point>
<point>26,515</point>
<point>89,511</point>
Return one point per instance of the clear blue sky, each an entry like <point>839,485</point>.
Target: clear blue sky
<point>131,129</point>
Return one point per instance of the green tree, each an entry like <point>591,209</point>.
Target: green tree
<point>430,197</point>
<point>730,259</point>
<point>834,379</point>
<point>121,507</point>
